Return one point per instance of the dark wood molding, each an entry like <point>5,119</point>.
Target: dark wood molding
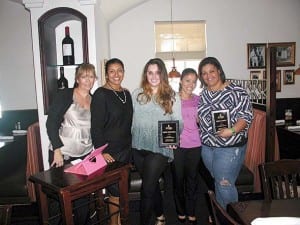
<point>271,104</point>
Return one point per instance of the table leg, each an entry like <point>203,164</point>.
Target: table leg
<point>124,204</point>
<point>43,203</point>
<point>66,208</point>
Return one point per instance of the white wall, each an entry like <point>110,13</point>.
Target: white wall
<point>17,87</point>
<point>231,24</point>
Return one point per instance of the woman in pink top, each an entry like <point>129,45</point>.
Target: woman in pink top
<point>187,156</point>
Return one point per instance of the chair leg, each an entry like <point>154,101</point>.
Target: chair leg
<point>5,214</point>
<point>101,207</point>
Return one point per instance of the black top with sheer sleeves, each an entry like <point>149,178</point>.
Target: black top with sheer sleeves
<point>111,119</point>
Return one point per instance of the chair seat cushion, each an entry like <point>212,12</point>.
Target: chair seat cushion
<point>135,184</point>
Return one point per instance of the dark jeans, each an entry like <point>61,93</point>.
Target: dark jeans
<point>185,179</point>
<point>150,166</point>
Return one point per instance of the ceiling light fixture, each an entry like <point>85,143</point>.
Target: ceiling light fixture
<point>173,73</point>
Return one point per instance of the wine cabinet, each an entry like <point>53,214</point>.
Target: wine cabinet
<point>50,62</point>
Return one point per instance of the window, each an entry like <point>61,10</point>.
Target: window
<point>186,40</point>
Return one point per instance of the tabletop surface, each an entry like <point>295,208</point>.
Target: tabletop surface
<point>247,211</point>
<point>56,178</point>
<point>297,132</point>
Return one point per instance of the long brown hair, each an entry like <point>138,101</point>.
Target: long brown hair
<point>165,94</point>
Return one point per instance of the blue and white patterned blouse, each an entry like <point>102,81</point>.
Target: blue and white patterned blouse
<point>236,100</point>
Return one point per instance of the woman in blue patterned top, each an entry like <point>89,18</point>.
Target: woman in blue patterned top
<point>225,116</point>
<point>154,101</point>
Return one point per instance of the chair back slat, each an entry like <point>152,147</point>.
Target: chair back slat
<point>281,179</point>
<point>295,186</point>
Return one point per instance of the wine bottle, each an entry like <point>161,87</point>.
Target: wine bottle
<point>68,48</point>
<point>62,82</point>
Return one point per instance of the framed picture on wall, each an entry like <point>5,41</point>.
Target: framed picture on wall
<point>288,77</point>
<point>256,75</point>
<point>256,55</point>
<point>285,53</point>
<point>278,80</point>
<point>103,79</point>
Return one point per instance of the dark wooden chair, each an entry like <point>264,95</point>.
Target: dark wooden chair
<point>220,216</point>
<point>280,179</point>
<point>135,184</point>
<point>18,161</point>
<point>5,214</point>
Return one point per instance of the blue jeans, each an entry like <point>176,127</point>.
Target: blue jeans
<point>224,165</point>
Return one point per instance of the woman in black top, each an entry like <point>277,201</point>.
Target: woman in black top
<point>111,118</point>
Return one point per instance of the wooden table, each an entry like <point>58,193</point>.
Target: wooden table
<point>69,187</point>
<point>289,143</point>
<point>245,212</point>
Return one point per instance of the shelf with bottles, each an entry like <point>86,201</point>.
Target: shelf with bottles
<point>51,33</point>
<point>68,73</point>
<point>66,66</point>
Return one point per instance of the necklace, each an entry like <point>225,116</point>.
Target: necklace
<point>115,92</point>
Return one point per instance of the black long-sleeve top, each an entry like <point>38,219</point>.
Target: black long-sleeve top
<point>111,120</point>
<point>56,112</point>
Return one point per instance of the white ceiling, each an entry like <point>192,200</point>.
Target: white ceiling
<point>112,8</point>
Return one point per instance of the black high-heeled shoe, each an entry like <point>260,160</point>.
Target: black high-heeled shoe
<point>192,222</point>
<point>160,220</point>
<point>181,220</point>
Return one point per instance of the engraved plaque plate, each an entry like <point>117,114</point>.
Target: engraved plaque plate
<point>220,120</point>
<point>168,133</point>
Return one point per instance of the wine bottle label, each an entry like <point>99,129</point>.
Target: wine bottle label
<point>67,49</point>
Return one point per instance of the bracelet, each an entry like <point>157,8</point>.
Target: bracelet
<point>233,131</point>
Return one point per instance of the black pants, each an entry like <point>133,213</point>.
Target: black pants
<point>185,179</point>
<point>150,166</point>
<point>123,156</point>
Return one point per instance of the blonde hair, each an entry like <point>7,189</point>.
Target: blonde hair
<point>82,69</point>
